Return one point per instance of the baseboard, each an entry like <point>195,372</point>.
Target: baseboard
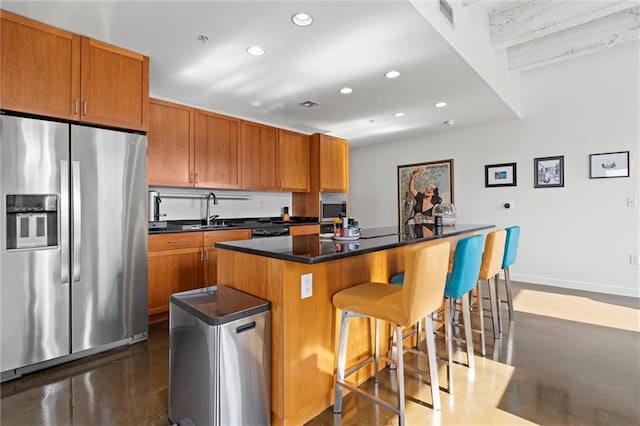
<point>578,285</point>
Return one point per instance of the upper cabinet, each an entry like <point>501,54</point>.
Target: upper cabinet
<point>55,73</point>
<point>114,86</point>
<point>188,147</point>
<point>329,172</point>
<point>293,161</point>
<point>259,148</point>
<point>170,144</point>
<point>332,156</point>
<point>40,68</point>
<point>217,151</point>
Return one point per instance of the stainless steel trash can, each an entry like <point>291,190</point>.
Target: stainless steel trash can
<point>219,358</point>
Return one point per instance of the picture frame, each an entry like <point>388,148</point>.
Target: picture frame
<point>548,172</point>
<point>609,165</point>
<point>417,177</point>
<point>496,175</point>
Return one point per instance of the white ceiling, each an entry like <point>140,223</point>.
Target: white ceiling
<point>350,43</point>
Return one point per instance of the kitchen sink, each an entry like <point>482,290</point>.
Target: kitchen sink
<point>207,227</point>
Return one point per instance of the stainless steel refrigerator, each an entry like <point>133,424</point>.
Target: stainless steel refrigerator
<point>73,266</point>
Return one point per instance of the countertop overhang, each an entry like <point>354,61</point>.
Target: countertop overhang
<point>312,249</point>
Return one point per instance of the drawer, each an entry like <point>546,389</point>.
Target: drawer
<point>304,229</point>
<point>212,237</point>
<point>175,240</point>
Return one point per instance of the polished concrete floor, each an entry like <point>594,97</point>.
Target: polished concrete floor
<point>569,357</point>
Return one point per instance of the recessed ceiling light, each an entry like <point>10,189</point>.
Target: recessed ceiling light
<point>302,19</point>
<point>255,51</point>
<point>399,114</point>
<point>392,74</point>
<point>346,90</point>
<point>441,104</point>
<point>448,123</point>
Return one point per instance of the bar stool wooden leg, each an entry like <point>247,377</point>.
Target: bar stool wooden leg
<point>466,319</point>
<point>449,342</point>
<point>507,283</point>
<point>483,345</point>
<point>494,313</point>
<point>342,361</point>
<point>376,356</point>
<point>433,365</point>
<point>498,306</point>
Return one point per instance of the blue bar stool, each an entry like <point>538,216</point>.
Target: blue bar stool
<point>462,279</point>
<point>418,298</point>
<point>510,253</point>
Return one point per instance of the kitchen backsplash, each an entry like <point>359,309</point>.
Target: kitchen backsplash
<point>231,204</point>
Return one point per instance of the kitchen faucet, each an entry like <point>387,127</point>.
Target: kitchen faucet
<point>215,201</point>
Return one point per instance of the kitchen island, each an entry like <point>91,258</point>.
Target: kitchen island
<point>304,331</point>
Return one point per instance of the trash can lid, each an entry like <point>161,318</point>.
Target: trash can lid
<point>220,304</point>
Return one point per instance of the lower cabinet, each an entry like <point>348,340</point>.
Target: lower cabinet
<point>211,253</point>
<point>172,271</point>
<point>180,262</point>
<point>304,230</point>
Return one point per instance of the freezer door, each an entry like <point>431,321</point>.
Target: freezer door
<point>109,236</point>
<point>34,289</point>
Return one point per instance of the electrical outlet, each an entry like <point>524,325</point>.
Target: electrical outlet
<point>632,201</point>
<point>633,259</point>
<point>306,285</point>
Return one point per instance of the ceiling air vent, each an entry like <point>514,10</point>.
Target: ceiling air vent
<point>446,10</point>
<point>309,104</point>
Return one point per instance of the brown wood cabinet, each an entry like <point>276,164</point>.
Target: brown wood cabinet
<point>329,172</point>
<point>217,151</point>
<point>259,149</point>
<point>333,162</point>
<point>174,265</point>
<point>170,144</point>
<point>293,161</point>
<point>114,86</point>
<point>304,229</point>
<point>210,276</point>
<point>183,261</point>
<point>40,68</point>
<point>188,147</point>
<point>52,72</point>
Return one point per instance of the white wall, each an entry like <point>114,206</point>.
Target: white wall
<point>579,236</point>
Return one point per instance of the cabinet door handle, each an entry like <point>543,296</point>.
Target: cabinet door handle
<point>75,106</point>
<point>173,241</point>
<point>206,255</point>
<point>196,177</point>
<point>190,177</point>
<point>84,107</point>
<point>201,255</point>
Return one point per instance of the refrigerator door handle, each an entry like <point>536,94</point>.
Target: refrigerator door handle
<point>77,223</point>
<point>64,221</point>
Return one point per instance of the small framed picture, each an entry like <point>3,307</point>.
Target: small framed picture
<point>609,164</point>
<point>548,172</point>
<point>500,175</point>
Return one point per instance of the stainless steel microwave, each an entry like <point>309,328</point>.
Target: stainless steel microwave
<point>332,205</point>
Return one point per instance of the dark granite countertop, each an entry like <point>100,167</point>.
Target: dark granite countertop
<point>312,249</point>
<point>218,224</point>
